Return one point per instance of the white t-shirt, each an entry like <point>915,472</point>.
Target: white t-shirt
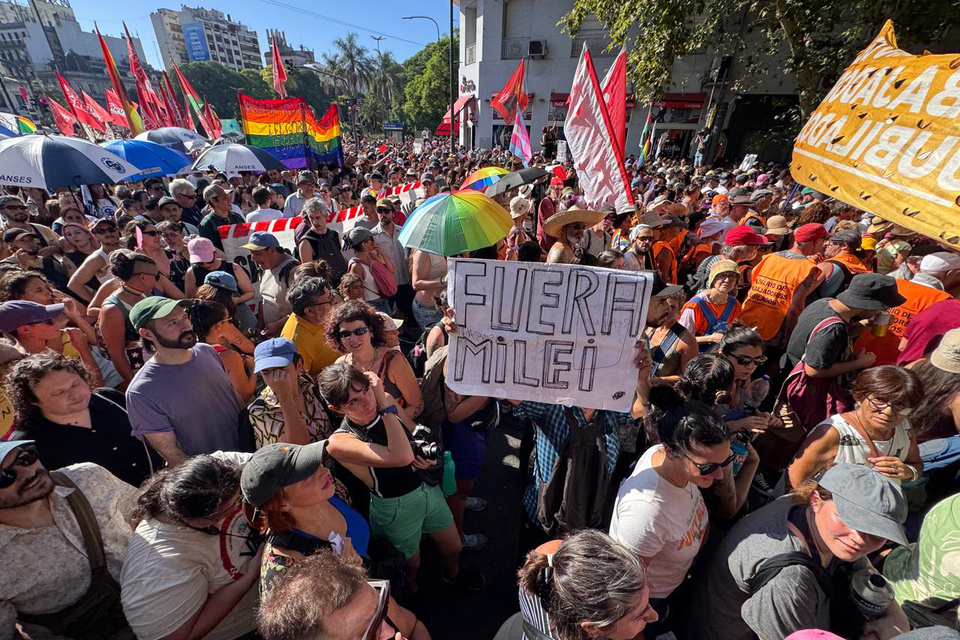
<point>170,570</point>
<point>659,521</point>
<point>258,215</point>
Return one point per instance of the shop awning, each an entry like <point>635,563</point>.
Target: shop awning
<point>458,106</point>
<point>561,99</point>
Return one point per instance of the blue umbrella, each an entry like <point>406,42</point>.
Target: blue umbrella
<point>152,159</point>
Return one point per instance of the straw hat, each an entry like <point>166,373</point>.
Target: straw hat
<point>519,206</point>
<point>777,226</point>
<point>946,356</point>
<point>557,221</point>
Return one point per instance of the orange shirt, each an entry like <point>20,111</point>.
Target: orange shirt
<point>775,279</point>
<point>700,320</point>
<point>660,246</point>
<point>887,348</point>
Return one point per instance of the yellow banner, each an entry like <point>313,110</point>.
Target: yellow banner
<point>886,139</point>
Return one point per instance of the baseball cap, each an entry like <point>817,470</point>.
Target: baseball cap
<point>306,176</point>
<point>376,175</point>
<point>98,221</point>
<point>9,445</point>
<point>276,466</point>
<point>153,308</point>
<point>273,354</point>
<point>260,240</point>
<point>810,232</point>
<point>17,313</point>
<point>867,501</point>
<point>813,634</point>
<point>356,237</point>
<point>427,177</point>
<point>222,280</point>
<point>847,237</point>
<point>213,191</point>
<point>663,290</point>
<point>385,203</point>
<point>556,181</point>
<point>720,197</point>
<point>940,261</point>
<point>165,200</point>
<point>946,356</point>
<point>13,234</point>
<point>201,250</point>
<point>871,291</point>
<point>743,235</point>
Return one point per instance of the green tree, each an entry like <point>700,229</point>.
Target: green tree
<point>302,83</point>
<point>426,81</point>
<point>386,91</point>
<point>219,84</point>
<point>821,36</point>
<point>350,61</point>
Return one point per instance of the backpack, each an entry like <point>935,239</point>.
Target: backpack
<point>382,278</point>
<point>575,495</point>
<point>431,387</point>
<point>417,356</point>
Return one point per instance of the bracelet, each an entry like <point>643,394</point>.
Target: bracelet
<point>913,471</point>
<point>391,409</point>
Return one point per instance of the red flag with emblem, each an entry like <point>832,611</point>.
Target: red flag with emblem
<point>115,108</point>
<point>77,106</point>
<point>98,112</point>
<point>513,97</point>
<point>65,120</point>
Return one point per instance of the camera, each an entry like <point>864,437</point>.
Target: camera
<point>421,441</point>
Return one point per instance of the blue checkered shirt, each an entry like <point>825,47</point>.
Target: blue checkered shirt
<point>552,431</point>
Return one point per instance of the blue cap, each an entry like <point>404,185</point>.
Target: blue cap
<point>8,446</point>
<point>222,280</point>
<point>260,240</point>
<point>273,354</point>
<point>17,313</point>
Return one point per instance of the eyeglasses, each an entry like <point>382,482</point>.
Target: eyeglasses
<point>383,592</point>
<point>154,274</point>
<point>745,361</point>
<point>359,331</point>
<point>883,406</point>
<point>706,468</point>
<point>150,233</point>
<point>27,457</point>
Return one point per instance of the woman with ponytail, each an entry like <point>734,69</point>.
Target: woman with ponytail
<point>587,586</point>
<point>659,512</point>
<point>211,322</point>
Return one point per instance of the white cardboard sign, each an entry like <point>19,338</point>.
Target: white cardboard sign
<point>554,333</point>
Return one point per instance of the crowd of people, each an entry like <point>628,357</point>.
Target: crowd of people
<point>203,447</point>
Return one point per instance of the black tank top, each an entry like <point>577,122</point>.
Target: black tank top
<point>391,482</point>
<point>200,273</point>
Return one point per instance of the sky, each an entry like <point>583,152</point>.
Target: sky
<point>310,23</point>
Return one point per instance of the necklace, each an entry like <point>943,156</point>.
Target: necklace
<point>133,292</point>
<point>366,367</point>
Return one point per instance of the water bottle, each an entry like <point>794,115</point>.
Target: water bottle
<point>739,450</point>
<point>759,389</point>
<point>871,593</point>
<point>449,479</point>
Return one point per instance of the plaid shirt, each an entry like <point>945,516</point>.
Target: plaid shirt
<point>552,431</point>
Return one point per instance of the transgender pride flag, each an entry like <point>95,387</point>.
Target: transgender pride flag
<point>520,140</point>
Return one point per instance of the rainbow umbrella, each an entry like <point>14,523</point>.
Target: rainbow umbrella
<point>483,178</point>
<point>453,223</point>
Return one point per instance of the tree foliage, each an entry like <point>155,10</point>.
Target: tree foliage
<point>219,84</point>
<point>818,38</point>
<point>426,80</point>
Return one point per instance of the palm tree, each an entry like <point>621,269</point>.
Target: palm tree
<point>352,62</point>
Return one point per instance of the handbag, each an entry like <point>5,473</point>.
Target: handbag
<point>382,278</point>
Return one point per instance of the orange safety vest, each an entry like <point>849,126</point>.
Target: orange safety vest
<point>753,215</point>
<point>850,261</point>
<point>677,242</point>
<point>887,348</point>
<point>775,280</point>
<point>659,246</point>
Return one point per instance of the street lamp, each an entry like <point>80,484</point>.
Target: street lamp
<point>453,146</point>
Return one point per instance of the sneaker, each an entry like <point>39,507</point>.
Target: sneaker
<point>760,484</point>
<point>467,579</point>
<point>474,541</point>
<point>476,504</point>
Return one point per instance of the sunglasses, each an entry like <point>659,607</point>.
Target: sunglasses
<point>883,406</point>
<point>46,321</point>
<point>150,233</point>
<point>644,238</point>
<point>154,274</point>
<point>744,361</point>
<point>706,468</point>
<point>16,207</point>
<point>359,331</point>
<point>383,210</point>
<point>102,230</point>
<point>380,614</point>
<point>27,457</point>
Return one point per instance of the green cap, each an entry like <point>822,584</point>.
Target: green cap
<point>152,308</point>
<point>276,466</point>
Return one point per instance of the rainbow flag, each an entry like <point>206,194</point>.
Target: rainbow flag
<point>25,125</point>
<point>288,129</point>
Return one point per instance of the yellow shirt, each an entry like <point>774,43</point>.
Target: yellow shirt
<point>311,341</point>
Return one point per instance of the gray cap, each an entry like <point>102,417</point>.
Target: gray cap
<point>427,177</point>
<point>276,466</point>
<point>356,237</point>
<point>165,200</point>
<point>760,194</point>
<point>306,176</point>
<point>867,501</point>
<point>213,191</point>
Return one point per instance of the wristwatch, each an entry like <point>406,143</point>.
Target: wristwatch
<point>391,409</point>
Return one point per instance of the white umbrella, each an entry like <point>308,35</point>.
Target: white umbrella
<point>233,158</point>
<point>177,137</point>
<point>56,161</point>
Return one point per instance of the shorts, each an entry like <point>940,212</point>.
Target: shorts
<point>404,520</point>
<point>467,447</point>
<point>426,317</point>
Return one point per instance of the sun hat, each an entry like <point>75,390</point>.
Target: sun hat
<point>710,227</point>
<point>871,291</point>
<point>946,356</point>
<point>867,501</point>
<point>519,206</point>
<point>279,465</point>
<point>557,221</point>
<point>17,313</point>
<point>201,250</point>
<point>153,308</point>
<point>722,266</point>
<point>940,262</point>
<point>868,243</point>
<point>777,226</point>
<point>390,323</point>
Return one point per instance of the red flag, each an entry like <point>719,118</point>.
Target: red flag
<point>115,109</point>
<point>615,98</point>
<point>77,106</point>
<point>279,72</point>
<point>512,97</point>
<point>23,94</point>
<point>188,122</point>
<point>192,98</point>
<point>65,120</point>
<point>149,118</point>
<point>133,118</point>
<point>214,131</point>
<point>98,112</point>
<point>173,118</point>
<point>136,68</point>
<point>171,99</point>
<point>590,136</point>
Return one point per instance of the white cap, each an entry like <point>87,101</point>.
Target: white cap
<point>709,227</point>
<point>390,324</point>
<point>940,262</point>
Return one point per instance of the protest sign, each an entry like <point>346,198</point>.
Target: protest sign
<point>885,139</point>
<point>562,155</point>
<point>553,333</point>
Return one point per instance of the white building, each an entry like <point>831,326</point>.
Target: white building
<point>49,10</point>
<point>290,56</point>
<point>496,34</point>
<point>198,34</point>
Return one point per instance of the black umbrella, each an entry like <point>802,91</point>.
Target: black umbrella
<point>514,180</point>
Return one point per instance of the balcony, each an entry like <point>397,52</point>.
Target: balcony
<point>513,48</point>
<point>597,40</point>
<point>471,54</point>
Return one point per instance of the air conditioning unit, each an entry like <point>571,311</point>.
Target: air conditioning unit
<point>537,49</point>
